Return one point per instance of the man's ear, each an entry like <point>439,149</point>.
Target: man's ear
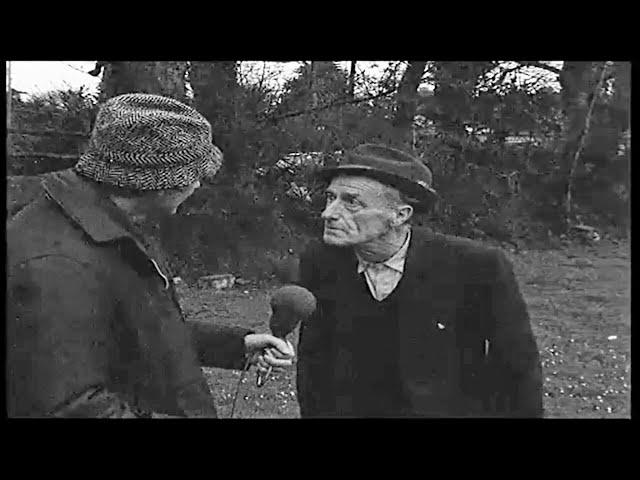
<point>403,214</point>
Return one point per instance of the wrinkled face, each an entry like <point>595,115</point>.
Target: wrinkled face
<point>358,210</point>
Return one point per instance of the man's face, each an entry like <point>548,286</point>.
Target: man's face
<point>357,211</point>
<point>165,203</point>
<point>180,197</point>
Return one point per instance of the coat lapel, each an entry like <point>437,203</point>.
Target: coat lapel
<point>426,320</point>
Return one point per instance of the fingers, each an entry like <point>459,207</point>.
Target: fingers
<point>280,348</point>
<point>276,362</point>
<point>261,341</point>
<point>261,364</point>
<point>275,353</point>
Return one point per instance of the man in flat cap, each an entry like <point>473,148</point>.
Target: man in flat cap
<point>410,323</point>
<point>93,325</point>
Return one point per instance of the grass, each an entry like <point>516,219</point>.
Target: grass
<point>580,310</point>
<point>579,303</point>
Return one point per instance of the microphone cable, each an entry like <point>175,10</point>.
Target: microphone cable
<point>247,364</point>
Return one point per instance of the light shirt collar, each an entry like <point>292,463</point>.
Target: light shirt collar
<point>395,262</point>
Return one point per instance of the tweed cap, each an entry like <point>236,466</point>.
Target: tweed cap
<point>390,166</point>
<point>149,142</point>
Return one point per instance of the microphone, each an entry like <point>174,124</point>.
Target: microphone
<point>290,305</point>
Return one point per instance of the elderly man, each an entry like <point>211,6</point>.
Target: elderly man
<point>93,325</point>
<point>409,323</point>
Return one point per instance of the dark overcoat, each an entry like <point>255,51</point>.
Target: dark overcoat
<point>94,328</point>
<point>465,343</point>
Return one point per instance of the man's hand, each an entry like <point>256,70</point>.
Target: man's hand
<point>269,351</point>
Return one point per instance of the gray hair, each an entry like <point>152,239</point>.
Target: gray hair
<point>395,198</point>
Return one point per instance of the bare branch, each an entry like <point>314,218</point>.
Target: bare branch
<point>544,66</point>
<point>507,71</point>
<point>581,144</point>
<point>262,76</point>
<point>57,156</point>
<point>328,106</point>
<point>80,70</point>
<point>48,133</point>
<point>97,70</point>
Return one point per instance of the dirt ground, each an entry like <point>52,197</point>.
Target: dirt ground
<point>579,303</point>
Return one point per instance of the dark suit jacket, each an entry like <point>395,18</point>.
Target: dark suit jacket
<point>484,362</point>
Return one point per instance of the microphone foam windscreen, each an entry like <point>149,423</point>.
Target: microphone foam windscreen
<point>294,298</point>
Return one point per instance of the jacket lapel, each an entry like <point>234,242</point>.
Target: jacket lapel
<point>426,325</point>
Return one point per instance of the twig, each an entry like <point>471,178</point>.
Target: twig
<point>507,71</point>
<point>328,106</point>
<point>544,66</point>
<point>363,76</point>
<point>51,133</point>
<point>583,140</point>
<point>264,67</point>
<point>77,69</point>
<point>56,156</point>
<point>31,110</point>
<point>247,364</point>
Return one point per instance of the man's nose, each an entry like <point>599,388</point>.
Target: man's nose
<point>330,211</point>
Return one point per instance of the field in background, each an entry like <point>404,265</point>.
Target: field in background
<point>579,302</point>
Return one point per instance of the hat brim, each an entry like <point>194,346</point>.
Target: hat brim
<point>93,166</point>
<point>424,197</point>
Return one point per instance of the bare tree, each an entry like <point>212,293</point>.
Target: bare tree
<point>407,96</point>
<point>160,78</point>
<point>582,85</point>
<point>215,95</point>
<point>352,80</point>
<point>213,85</point>
<point>313,91</point>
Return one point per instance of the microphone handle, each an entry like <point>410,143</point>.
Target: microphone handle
<point>261,379</point>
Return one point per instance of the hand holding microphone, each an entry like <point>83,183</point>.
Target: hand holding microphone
<point>290,305</point>
<point>266,351</point>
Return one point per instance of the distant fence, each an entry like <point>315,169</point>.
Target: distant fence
<point>42,162</point>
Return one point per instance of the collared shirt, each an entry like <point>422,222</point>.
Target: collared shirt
<point>383,277</point>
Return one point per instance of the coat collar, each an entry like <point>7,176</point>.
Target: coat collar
<point>89,209</point>
<point>395,262</point>
<point>93,212</point>
<point>418,259</point>
<point>418,255</point>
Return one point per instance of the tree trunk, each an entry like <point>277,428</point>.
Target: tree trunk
<point>407,100</point>
<point>160,78</point>
<point>352,80</point>
<point>9,95</point>
<point>574,80</point>
<point>313,91</point>
<point>214,86</point>
<point>580,125</point>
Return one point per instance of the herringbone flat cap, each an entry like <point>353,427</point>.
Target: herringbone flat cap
<point>149,142</point>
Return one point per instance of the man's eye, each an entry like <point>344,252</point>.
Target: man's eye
<point>352,203</point>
